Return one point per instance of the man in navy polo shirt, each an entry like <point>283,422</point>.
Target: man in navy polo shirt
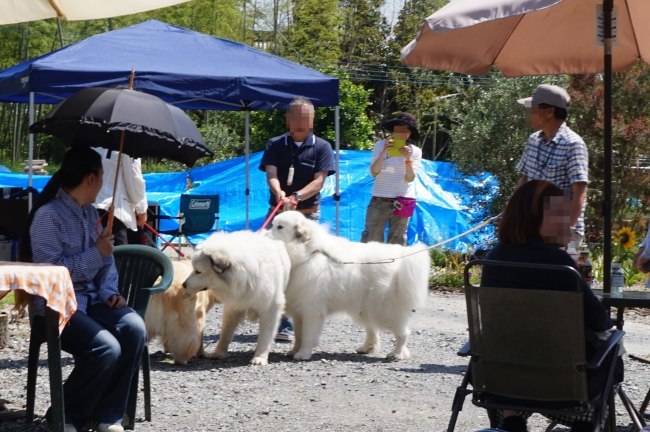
<point>296,165</point>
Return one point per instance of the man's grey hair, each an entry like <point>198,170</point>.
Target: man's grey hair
<point>300,101</point>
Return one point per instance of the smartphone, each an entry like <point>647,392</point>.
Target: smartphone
<point>397,144</point>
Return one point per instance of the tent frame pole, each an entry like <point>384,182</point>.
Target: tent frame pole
<point>337,144</point>
<point>247,140</point>
<point>30,162</point>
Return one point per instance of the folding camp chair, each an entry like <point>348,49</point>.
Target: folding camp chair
<point>527,351</point>
<point>198,214</point>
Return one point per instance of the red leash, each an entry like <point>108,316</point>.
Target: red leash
<point>268,219</point>
<point>157,234</point>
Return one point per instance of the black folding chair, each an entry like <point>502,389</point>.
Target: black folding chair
<point>527,351</point>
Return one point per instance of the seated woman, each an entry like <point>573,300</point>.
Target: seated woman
<point>533,228</point>
<point>105,336</point>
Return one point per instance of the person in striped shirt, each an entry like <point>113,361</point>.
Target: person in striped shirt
<point>394,170</point>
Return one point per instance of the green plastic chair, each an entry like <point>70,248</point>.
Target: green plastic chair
<point>48,332</point>
<point>138,268</point>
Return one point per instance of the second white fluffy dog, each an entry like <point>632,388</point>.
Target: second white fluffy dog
<point>248,273</point>
<point>378,285</point>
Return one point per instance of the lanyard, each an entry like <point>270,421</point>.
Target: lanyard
<point>291,169</point>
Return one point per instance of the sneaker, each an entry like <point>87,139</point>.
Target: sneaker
<point>108,427</point>
<point>284,335</point>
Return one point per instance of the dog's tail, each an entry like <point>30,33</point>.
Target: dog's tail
<point>413,277</point>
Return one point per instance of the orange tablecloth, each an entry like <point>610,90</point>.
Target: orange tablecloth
<point>51,282</point>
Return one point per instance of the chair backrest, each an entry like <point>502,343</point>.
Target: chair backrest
<point>138,268</point>
<point>200,212</point>
<point>527,343</point>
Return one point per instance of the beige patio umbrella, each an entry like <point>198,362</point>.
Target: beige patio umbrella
<point>17,11</point>
<point>539,37</point>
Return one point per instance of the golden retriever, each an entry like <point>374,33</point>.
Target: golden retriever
<point>178,317</point>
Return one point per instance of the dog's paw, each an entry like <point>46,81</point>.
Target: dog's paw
<point>302,355</point>
<point>259,361</point>
<point>367,349</point>
<point>402,355</point>
<point>219,355</point>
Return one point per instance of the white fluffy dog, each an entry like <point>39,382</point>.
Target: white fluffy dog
<point>248,273</point>
<point>378,285</point>
<point>178,318</point>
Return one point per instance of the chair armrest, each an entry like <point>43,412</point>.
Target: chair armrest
<point>166,217</point>
<point>155,290</point>
<point>603,350</point>
<point>166,279</point>
<point>464,351</point>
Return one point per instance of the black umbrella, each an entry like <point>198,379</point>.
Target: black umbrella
<point>132,122</point>
<point>152,127</point>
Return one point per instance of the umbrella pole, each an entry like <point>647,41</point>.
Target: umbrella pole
<point>111,208</point>
<point>607,164</point>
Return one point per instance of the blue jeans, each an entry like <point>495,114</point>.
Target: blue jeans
<point>107,345</point>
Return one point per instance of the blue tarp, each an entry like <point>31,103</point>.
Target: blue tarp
<point>444,203</point>
<point>189,69</point>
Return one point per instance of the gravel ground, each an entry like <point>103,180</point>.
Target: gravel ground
<point>338,390</point>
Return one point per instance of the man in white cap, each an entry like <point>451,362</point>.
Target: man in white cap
<point>555,153</point>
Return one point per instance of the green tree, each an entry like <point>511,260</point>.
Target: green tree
<point>417,90</point>
<point>630,145</point>
<point>488,130</point>
<point>364,33</point>
<point>356,127</point>
<point>313,37</point>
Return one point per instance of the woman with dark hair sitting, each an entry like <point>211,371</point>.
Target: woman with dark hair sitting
<point>534,228</point>
<point>105,336</point>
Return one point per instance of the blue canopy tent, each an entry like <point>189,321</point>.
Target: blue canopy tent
<point>188,69</point>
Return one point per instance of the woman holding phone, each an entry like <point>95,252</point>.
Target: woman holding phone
<point>394,165</point>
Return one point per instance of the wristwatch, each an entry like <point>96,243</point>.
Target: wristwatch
<point>297,196</point>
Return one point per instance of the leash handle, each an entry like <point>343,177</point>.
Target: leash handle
<point>268,219</point>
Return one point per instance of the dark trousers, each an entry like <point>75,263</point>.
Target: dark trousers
<point>107,345</point>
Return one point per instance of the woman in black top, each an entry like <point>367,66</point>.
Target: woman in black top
<point>533,228</point>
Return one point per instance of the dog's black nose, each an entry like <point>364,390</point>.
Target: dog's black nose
<point>184,286</point>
